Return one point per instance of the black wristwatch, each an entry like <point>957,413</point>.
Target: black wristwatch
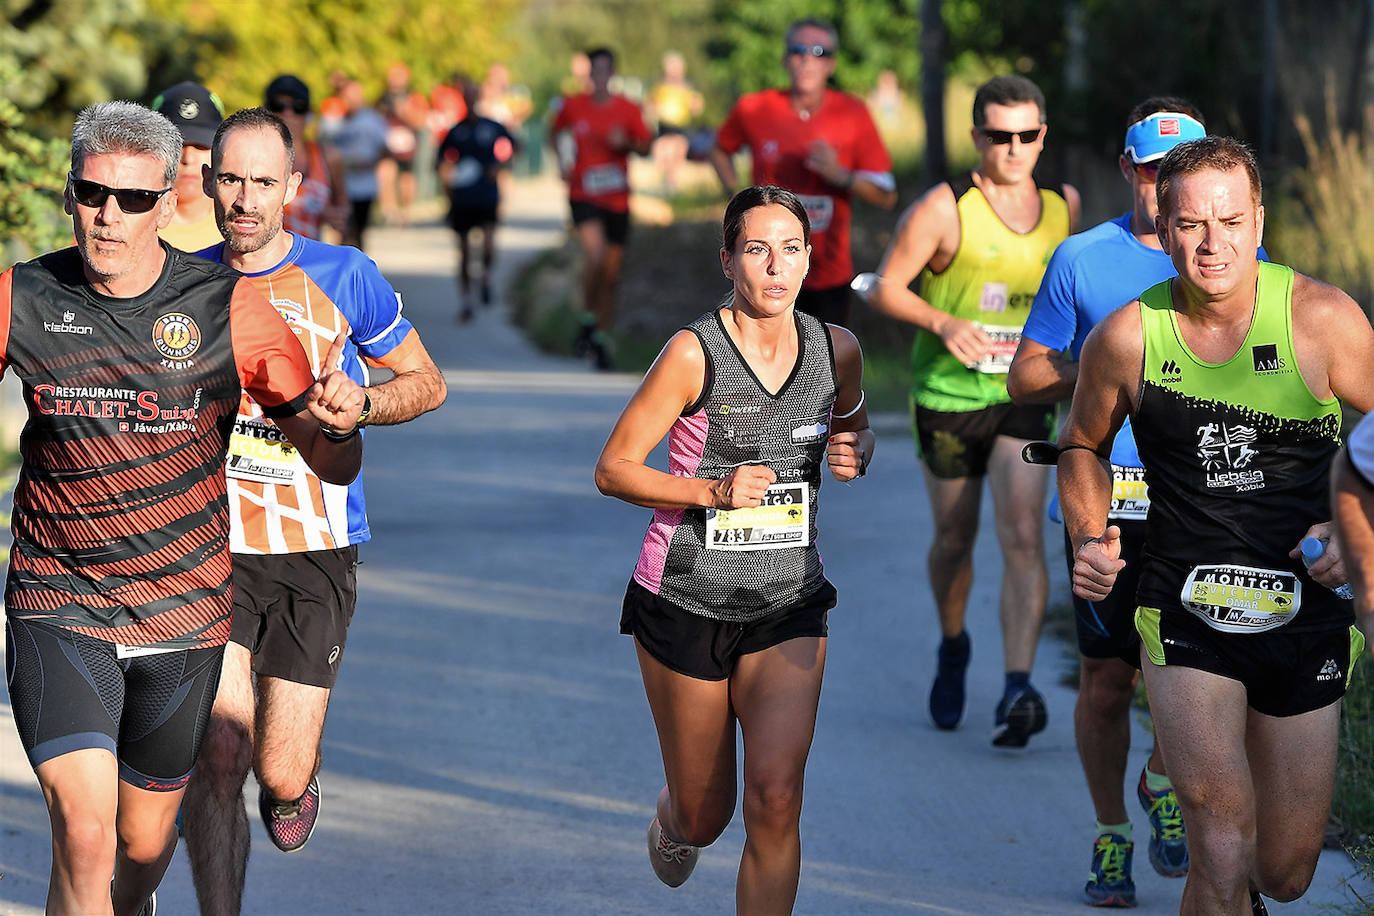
<point>367,408</point>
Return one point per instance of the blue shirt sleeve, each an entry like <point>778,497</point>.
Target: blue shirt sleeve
<point>378,325</point>
<point>1053,316</point>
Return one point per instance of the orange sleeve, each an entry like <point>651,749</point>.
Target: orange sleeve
<point>272,365</point>
<point>6,292</point>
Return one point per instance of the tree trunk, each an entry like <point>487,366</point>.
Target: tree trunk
<point>934,40</point>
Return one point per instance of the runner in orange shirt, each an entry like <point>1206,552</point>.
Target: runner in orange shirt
<point>822,145</point>
<point>593,134</point>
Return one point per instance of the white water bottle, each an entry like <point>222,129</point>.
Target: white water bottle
<point>864,283</point>
<point>1312,548</point>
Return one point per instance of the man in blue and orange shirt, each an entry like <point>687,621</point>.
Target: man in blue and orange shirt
<point>295,536</point>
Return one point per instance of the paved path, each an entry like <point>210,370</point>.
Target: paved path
<point>489,749</point>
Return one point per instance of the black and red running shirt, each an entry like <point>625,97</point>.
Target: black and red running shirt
<point>121,525</point>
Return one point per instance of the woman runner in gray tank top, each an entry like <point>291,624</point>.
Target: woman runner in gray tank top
<point>728,601</point>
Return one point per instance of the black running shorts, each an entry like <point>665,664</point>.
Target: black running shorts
<point>1284,673</point>
<point>614,223</point>
<point>71,692</point>
<point>1106,628</point>
<point>292,611</point>
<point>708,649</point>
<point>958,444</point>
<point>465,219</point>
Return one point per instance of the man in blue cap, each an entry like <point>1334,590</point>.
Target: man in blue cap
<point>1089,275</point>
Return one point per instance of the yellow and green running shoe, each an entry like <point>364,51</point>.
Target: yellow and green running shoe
<point>1109,881</point>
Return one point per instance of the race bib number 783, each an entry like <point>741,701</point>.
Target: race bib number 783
<point>781,520</point>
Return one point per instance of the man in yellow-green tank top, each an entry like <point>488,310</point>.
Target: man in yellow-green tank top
<point>1233,375</point>
<point>980,243</point>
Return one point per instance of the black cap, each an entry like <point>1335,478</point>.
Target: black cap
<point>287,85</point>
<point>195,110</point>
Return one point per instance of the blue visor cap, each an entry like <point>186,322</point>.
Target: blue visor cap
<point>1149,139</point>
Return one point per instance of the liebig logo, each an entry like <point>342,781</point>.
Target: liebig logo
<point>1171,371</point>
<point>1267,358</point>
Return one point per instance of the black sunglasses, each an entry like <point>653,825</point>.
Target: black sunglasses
<point>130,200</point>
<point>277,106</point>
<point>1003,137</point>
<point>811,50</point>
<point>1147,170</point>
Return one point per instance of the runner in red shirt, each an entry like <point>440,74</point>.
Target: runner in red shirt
<point>593,135</point>
<point>822,145</point>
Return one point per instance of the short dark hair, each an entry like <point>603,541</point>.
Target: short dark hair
<point>257,119</point>
<point>605,52</point>
<point>759,196</point>
<point>812,22</point>
<point>1220,153</point>
<point>1006,90</point>
<point>1158,103</point>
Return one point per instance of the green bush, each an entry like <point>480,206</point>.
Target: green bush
<point>1322,225</point>
<point>32,173</point>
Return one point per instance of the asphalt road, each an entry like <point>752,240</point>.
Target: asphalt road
<point>489,749</point>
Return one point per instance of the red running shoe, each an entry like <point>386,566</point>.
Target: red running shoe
<point>290,824</point>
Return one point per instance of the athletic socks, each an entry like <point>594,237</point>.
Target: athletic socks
<point>1156,782</point>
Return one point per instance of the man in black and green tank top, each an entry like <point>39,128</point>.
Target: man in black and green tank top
<point>980,243</point>
<point>1232,374</point>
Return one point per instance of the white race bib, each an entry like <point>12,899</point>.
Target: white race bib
<point>1242,599</point>
<point>467,173</point>
<point>605,179</point>
<point>1130,495</point>
<point>1002,347</point>
<point>259,452</point>
<point>123,651</point>
<point>782,519</point>
<point>820,210</point>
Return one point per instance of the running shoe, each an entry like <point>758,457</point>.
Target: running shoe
<point>1257,907</point>
<point>1109,881</point>
<point>1168,841</point>
<point>290,824</point>
<point>149,907</point>
<point>672,862</point>
<point>465,313</point>
<point>486,293</point>
<point>1020,714</point>
<point>947,693</point>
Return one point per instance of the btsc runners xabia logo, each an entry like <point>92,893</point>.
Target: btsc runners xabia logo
<point>176,336</point>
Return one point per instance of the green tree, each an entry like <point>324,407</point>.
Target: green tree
<point>236,48</point>
<point>67,54</point>
<point>32,173</point>
<point>552,31</point>
<point>875,35</point>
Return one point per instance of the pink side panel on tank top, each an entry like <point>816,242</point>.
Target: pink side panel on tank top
<point>686,445</point>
